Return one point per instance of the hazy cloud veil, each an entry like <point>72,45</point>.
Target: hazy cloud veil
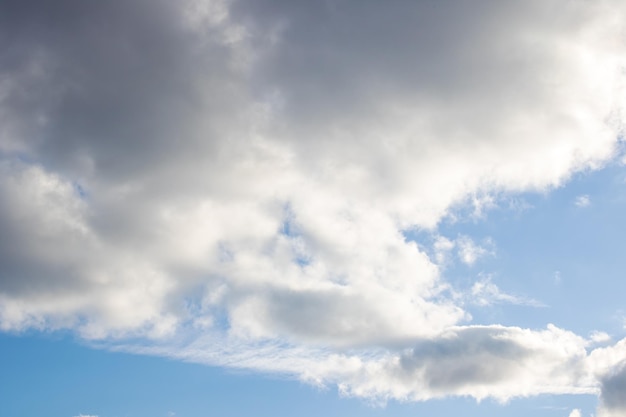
<point>230,181</point>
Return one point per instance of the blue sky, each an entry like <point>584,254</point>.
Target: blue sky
<point>232,207</point>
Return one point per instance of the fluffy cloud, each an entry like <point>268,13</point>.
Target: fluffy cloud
<point>613,388</point>
<point>244,173</point>
<point>599,337</point>
<point>609,369</point>
<point>469,252</point>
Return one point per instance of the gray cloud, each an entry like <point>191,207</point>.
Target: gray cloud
<point>107,79</point>
<point>613,387</point>
<point>482,361</point>
<point>475,356</point>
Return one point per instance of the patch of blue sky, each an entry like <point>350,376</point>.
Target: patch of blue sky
<point>289,229</point>
<point>562,249</point>
<point>80,190</point>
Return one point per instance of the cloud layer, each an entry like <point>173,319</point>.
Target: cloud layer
<point>233,181</point>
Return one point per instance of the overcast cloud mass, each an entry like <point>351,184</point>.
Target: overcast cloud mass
<point>233,182</point>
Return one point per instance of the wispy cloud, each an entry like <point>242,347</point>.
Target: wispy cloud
<point>469,251</point>
<point>485,292</point>
<point>465,249</point>
<point>582,201</point>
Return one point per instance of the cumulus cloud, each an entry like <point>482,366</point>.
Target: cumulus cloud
<point>613,401</point>
<point>240,176</point>
<point>575,413</point>
<point>599,337</point>
<point>481,362</point>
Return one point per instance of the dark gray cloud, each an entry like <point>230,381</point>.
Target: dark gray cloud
<point>98,96</point>
<point>120,84</point>
<point>336,62</point>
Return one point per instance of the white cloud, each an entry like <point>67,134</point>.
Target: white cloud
<point>582,201</point>
<point>245,178</point>
<point>599,337</point>
<point>464,247</point>
<point>469,252</point>
<point>86,415</point>
<point>442,248</point>
<point>575,413</point>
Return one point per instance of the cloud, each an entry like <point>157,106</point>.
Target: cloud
<point>599,337</point>
<point>482,361</point>
<point>608,366</point>
<point>244,173</point>
<point>575,413</point>
<point>582,201</point>
<point>469,252</point>
<point>557,277</point>
<point>485,293</point>
<point>442,247</point>
<point>479,361</point>
<point>613,386</point>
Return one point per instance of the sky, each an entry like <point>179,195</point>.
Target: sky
<point>341,207</point>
